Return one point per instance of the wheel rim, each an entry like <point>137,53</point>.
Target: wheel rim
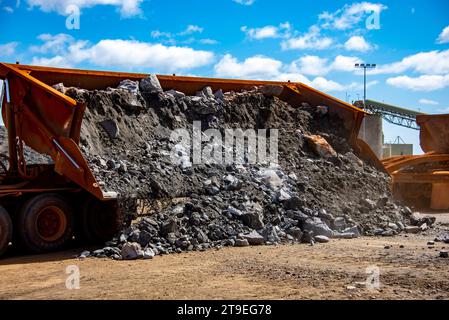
<point>51,223</point>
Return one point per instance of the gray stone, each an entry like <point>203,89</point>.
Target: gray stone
<point>98,252</point>
<point>252,220</point>
<point>109,251</point>
<point>202,237</point>
<point>241,243</point>
<point>353,230</point>
<point>102,162</point>
<point>203,107</point>
<point>169,226</point>
<point>208,93</point>
<point>111,128</point>
<point>318,227</point>
<point>60,87</point>
<point>235,212</point>
<point>393,226</point>
<point>176,94</point>
<point>294,203</point>
<point>323,214</point>
<point>148,253</point>
<point>444,254</point>
<point>131,251</point>
<point>346,235</point>
<point>368,204</point>
<point>415,218</point>
<point>284,195</point>
<point>270,234</point>
<point>339,223</point>
<point>144,238</point>
<point>219,95</point>
<point>388,233</point>
<point>407,211</point>
<point>272,179</point>
<point>151,84</point>
<point>84,255</point>
<point>232,183</point>
<point>412,229</point>
<point>272,90</point>
<point>321,239</point>
<point>131,86</point>
<point>295,233</point>
<point>254,238</point>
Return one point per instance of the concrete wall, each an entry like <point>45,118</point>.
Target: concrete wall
<point>371,133</point>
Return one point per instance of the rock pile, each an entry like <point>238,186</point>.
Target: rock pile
<point>319,189</point>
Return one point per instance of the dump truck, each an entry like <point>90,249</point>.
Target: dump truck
<point>422,181</point>
<point>44,206</point>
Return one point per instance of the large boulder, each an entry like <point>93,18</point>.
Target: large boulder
<point>151,84</point>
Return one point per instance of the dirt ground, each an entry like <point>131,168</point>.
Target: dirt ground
<point>409,269</point>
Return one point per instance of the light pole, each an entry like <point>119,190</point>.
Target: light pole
<point>365,66</point>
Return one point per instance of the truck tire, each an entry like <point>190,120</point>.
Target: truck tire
<point>99,221</point>
<point>45,223</point>
<point>5,230</point>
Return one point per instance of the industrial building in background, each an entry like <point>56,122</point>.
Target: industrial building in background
<point>397,148</point>
<point>372,129</point>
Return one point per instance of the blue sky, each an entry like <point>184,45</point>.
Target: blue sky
<point>316,42</point>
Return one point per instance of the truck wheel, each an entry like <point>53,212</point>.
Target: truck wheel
<point>45,223</point>
<point>100,220</point>
<point>5,230</point>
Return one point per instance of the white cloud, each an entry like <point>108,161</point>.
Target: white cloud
<point>292,76</point>
<point>327,85</point>
<point>56,61</point>
<point>322,83</point>
<point>52,43</point>
<point>183,37</point>
<point>350,15</point>
<point>261,33</point>
<point>429,102</point>
<point>310,40</point>
<point>254,67</point>
<point>208,41</point>
<point>159,34</point>
<point>191,29</point>
<point>357,43</point>
<point>421,83</point>
<point>319,83</point>
<point>8,9</point>
<point>444,36</point>
<point>316,66</point>
<point>129,54</point>
<point>431,62</point>
<point>444,110</point>
<point>265,32</point>
<point>345,63</point>
<point>245,2</point>
<point>8,49</point>
<point>265,68</point>
<point>311,65</point>
<point>127,8</point>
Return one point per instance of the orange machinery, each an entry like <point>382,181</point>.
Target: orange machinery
<point>48,202</point>
<point>423,180</point>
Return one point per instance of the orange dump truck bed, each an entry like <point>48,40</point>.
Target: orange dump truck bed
<point>294,93</point>
<point>423,180</point>
<point>434,135</point>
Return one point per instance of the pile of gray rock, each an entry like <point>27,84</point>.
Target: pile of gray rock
<point>309,196</point>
